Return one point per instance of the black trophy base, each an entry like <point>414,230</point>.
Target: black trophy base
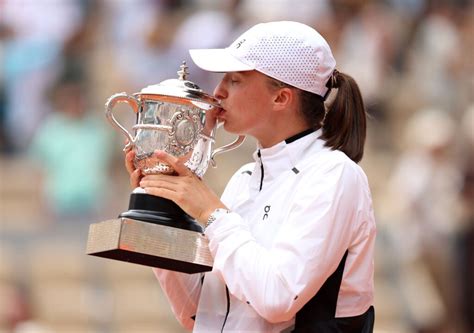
<point>152,209</point>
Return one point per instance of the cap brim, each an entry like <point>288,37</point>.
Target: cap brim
<point>217,60</point>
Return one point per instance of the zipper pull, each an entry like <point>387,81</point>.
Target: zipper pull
<point>261,169</point>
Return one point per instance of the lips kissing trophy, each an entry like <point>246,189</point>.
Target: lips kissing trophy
<point>171,116</point>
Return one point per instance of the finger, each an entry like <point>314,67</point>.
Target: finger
<point>162,192</point>
<point>135,178</point>
<point>161,177</point>
<point>129,157</point>
<point>178,166</point>
<point>162,183</point>
<point>128,146</point>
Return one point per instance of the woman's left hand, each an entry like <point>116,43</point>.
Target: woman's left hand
<point>185,189</point>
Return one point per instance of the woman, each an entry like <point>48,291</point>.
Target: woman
<point>293,235</point>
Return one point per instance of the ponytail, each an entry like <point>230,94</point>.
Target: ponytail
<point>343,121</point>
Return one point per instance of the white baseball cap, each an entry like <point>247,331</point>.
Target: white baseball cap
<point>290,52</point>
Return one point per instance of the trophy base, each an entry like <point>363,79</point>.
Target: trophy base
<point>149,208</point>
<point>150,244</point>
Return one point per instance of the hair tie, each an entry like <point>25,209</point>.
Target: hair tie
<point>332,83</point>
<point>333,79</point>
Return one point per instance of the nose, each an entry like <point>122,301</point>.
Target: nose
<point>220,92</point>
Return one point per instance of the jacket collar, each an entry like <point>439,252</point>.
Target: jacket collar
<point>285,156</point>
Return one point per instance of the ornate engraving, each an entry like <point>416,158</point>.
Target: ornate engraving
<point>186,126</point>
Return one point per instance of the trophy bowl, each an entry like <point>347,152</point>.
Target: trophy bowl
<point>170,116</point>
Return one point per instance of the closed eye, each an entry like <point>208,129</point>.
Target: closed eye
<point>232,78</point>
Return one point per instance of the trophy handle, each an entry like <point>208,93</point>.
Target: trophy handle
<point>236,143</point>
<point>110,104</point>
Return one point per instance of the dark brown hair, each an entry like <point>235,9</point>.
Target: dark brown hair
<point>344,120</point>
<point>345,125</point>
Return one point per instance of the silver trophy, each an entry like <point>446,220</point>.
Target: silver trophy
<point>171,116</point>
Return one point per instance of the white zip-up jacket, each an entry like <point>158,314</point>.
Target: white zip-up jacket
<point>295,212</point>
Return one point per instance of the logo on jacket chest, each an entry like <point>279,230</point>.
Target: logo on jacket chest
<point>266,212</point>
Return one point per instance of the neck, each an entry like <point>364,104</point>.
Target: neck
<point>277,133</point>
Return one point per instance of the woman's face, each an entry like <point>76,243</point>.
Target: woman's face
<point>246,99</point>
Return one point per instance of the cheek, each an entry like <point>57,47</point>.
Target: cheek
<point>254,99</point>
<point>259,103</point>
<point>248,106</point>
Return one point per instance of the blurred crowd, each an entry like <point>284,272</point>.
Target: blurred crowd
<point>62,165</point>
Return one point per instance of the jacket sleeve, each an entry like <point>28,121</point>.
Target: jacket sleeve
<point>316,231</point>
<point>183,291</point>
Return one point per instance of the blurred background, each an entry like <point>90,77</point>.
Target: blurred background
<point>61,163</point>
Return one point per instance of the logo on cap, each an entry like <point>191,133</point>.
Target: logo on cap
<point>239,43</point>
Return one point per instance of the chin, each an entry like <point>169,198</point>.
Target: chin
<point>228,128</point>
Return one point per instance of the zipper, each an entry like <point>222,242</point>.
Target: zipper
<point>261,169</point>
<point>228,308</point>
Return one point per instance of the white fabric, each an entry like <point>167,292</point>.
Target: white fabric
<point>280,244</point>
<point>291,52</point>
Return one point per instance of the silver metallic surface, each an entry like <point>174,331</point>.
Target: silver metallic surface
<point>172,118</point>
<point>150,244</point>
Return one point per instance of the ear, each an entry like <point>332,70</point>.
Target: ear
<point>283,98</point>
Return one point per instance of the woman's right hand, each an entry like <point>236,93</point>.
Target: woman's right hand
<point>135,174</point>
